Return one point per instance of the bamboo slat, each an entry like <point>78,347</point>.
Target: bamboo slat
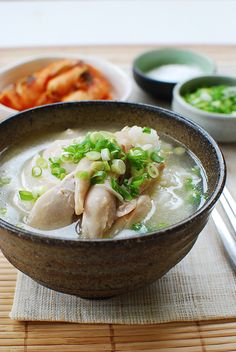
<point>207,336</point>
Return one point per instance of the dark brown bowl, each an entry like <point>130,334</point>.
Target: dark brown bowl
<point>108,267</point>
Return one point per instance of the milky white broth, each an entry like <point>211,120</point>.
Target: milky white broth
<point>172,198</point>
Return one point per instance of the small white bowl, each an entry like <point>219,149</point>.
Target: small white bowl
<point>121,83</point>
<point>222,127</point>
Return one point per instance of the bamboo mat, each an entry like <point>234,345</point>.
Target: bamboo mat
<point>207,336</point>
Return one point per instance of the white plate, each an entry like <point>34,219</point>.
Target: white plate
<point>121,83</point>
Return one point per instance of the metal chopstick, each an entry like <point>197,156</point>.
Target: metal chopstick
<point>230,200</point>
<point>226,205</point>
<point>227,239</point>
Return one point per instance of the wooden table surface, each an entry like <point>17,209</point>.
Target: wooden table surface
<point>207,336</point>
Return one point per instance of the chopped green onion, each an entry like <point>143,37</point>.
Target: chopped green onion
<point>98,166</point>
<point>58,172</point>
<point>41,162</point>
<point>106,166</point>
<point>83,175</point>
<point>36,171</point>
<point>95,136</point>
<point>137,226</point>
<point>153,170</point>
<point>122,190</point>
<point>118,166</point>
<point>105,154</point>
<point>98,177</point>
<point>93,155</point>
<point>147,130</point>
<point>135,172</point>
<point>217,99</point>
<point>56,169</point>
<point>4,181</point>
<point>179,151</point>
<point>195,197</point>
<point>135,183</point>
<point>138,157</point>
<point>161,225</point>
<point>188,184</point>
<point>156,157</point>
<point>65,157</point>
<point>196,170</point>
<point>3,211</point>
<point>26,196</point>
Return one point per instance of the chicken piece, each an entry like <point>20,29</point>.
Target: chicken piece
<point>82,185</point>
<point>65,82</point>
<point>55,208</point>
<point>99,212</point>
<point>129,215</point>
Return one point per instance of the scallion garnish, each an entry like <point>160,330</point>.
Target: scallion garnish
<point>147,130</point>
<point>196,170</point>
<point>93,155</point>
<point>26,196</point>
<point>98,177</point>
<point>36,171</point>
<point>105,154</point>
<point>41,162</point>
<point>4,181</point>
<point>56,169</point>
<point>152,170</point>
<point>179,151</point>
<point>118,166</point>
<point>3,211</point>
<point>156,157</point>
<point>122,190</point>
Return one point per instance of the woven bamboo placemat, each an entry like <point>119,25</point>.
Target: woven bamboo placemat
<point>207,336</point>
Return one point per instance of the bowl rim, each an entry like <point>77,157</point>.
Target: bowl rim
<point>210,115</point>
<point>56,55</point>
<point>137,71</point>
<point>207,206</point>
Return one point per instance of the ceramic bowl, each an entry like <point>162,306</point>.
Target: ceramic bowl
<point>108,267</point>
<point>221,126</point>
<point>157,58</point>
<point>120,82</point>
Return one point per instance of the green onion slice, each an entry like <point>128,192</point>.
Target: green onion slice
<point>118,166</point>
<point>4,181</point>
<point>147,130</point>
<point>41,162</point>
<point>3,211</point>
<point>98,177</point>
<point>122,190</point>
<point>93,155</point>
<point>105,154</point>
<point>26,196</point>
<point>179,151</point>
<point>153,170</point>
<point>156,157</point>
<point>36,171</point>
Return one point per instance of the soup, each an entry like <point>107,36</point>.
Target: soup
<point>100,184</point>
